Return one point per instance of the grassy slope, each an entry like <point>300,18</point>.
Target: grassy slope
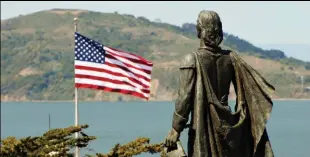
<point>37,55</point>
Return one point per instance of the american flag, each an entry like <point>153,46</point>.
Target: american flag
<point>109,69</point>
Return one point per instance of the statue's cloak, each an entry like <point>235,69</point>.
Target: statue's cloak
<point>216,131</point>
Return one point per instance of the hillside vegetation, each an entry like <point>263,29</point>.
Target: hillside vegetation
<point>37,55</point>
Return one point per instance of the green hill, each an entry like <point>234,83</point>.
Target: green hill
<point>37,55</point>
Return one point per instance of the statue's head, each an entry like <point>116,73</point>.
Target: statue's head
<point>209,28</point>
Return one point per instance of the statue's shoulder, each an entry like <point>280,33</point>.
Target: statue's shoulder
<point>188,61</point>
<point>230,53</point>
<point>234,57</point>
<point>227,52</point>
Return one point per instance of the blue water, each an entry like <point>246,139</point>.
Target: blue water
<point>121,122</point>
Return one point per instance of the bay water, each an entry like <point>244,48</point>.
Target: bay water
<point>121,122</point>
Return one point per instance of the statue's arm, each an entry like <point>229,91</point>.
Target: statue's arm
<point>184,102</point>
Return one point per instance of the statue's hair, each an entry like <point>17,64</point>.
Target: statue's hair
<point>209,28</point>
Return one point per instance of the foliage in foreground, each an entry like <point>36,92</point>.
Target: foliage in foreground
<point>58,142</point>
<point>136,147</point>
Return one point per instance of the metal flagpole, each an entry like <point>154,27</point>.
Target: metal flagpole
<point>49,121</point>
<point>77,154</point>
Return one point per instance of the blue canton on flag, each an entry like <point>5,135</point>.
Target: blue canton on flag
<point>88,50</point>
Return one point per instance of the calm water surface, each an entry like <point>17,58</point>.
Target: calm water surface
<point>121,122</point>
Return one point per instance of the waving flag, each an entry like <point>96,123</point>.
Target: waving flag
<point>105,68</point>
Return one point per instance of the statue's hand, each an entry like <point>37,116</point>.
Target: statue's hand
<point>172,138</point>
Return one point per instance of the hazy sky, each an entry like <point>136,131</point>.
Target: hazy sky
<point>261,23</point>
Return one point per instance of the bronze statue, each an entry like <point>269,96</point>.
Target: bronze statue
<point>205,77</point>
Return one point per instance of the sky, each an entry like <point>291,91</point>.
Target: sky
<point>265,24</point>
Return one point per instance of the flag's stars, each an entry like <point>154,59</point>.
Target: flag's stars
<point>88,50</point>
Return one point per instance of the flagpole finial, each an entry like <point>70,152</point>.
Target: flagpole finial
<point>75,20</point>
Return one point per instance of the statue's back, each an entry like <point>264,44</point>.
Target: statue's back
<point>219,68</point>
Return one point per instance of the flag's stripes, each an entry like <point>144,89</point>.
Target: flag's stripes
<point>113,59</point>
<point>145,93</point>
<point>111,69</point>
<point>123,91</point>
<point>139,63</point>
<point>107,80</point>
<point>120,53</point>
<point>139,73</point>
<point>127,55</point>
<point>102,75</point>
<point>136,63</point>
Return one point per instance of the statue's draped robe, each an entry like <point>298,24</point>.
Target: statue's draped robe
<point>214,130</point>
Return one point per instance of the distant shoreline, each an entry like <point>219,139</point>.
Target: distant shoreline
<point>281,99</point>
<point>59,101</point>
